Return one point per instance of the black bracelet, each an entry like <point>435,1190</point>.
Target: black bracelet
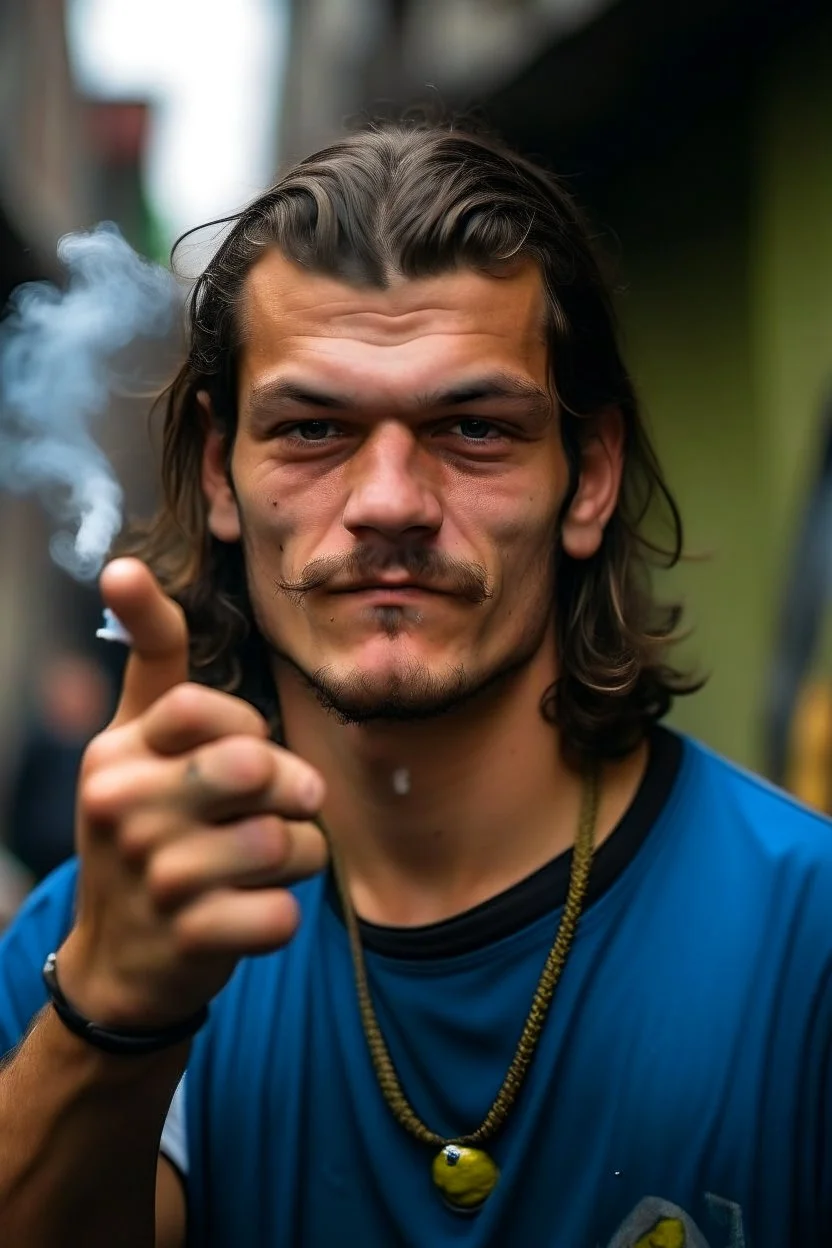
<point>114,1039</point>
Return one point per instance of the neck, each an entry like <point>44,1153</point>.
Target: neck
<point>432,817</point>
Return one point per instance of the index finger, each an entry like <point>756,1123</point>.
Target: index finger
<point>159,653</point>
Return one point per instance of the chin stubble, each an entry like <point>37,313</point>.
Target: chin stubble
<point>414,694</point>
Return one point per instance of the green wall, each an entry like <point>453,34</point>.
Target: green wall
<point>792,244</point>
<point>726,258</point>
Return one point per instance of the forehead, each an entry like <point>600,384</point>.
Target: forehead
<point>293,319</point>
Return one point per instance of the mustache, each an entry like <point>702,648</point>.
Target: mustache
<point>431,568</point>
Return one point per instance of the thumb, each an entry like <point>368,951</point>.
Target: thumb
<point>159,654</point>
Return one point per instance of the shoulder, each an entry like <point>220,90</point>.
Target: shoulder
<point>46,912</point>
<point>755,847</point>
<point>40,926</point>
<point>767,818</point>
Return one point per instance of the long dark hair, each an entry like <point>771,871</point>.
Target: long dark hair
<point>418,199</point>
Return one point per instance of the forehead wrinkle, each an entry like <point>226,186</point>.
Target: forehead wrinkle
<point>334,305</point>
<point>277,289</point>
<point>284,318</point>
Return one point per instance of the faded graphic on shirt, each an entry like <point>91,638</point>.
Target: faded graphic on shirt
<point>657,1223</point>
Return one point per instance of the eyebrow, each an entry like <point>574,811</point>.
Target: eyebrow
<point>268,396</point>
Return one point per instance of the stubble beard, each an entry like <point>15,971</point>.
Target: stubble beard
<point>412,691</point>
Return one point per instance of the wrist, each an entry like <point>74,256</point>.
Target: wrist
<point>95,1073</point>
<point>120,1041</point>
<point>97,992</point>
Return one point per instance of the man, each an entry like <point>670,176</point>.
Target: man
<point>567,981</point>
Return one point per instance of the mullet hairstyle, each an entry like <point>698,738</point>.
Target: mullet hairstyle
<point>412,200</point>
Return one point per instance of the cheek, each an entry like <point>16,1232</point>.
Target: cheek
<point>272,515</point>
<point>267,524</point>
<point>291,497</point>
<point>283,530</point>
<point>523,534</point>
<point>267,530</point>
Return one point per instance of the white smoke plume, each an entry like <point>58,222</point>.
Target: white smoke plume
<point>57,373</point>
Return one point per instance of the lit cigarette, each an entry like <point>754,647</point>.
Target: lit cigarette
<point>113,630</point>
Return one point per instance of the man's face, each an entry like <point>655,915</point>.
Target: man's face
<point>398,475</point>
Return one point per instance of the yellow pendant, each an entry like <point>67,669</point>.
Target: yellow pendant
<point>466,1177</point>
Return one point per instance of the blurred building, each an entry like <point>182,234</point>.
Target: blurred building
<point>66,162</point>
<point>116,134</point>
<point>43,171</point>
<point>696,135</point>
<point>352,56</point>
<point>44,182</point>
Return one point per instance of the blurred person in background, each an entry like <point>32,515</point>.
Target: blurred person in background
<point>72,702</point>
<point>568,977</point>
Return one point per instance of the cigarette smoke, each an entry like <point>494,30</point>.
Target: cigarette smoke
<point>57,350</point>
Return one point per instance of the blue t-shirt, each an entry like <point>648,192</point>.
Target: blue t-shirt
<point>681,1093</point>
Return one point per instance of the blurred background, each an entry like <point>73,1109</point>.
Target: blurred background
<point>697,136</point>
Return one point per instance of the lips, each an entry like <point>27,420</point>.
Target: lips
<point>384,587</point>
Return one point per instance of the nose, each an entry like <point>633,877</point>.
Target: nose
<point>392,490</point>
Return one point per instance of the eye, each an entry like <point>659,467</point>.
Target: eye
<point>475,430</point>
<point>312,431</point>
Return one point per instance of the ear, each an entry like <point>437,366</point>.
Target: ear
<point>602,464</point>
<point>223,516</point>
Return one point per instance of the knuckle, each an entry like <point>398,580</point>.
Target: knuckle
<point>183,938</point>
<point>185,704</point>
<point>285,915</point>
<point>255,723</point>
<point>94,755</point>
<point>139,834</point>
<point>181,618</point>
<point>263,843</point>
<point>164,880</point>
<point>186,933</point>
<point>188,705</point>
<point>247,762</point>
<point>298,779</point>
<point>101,751</point>
<point>100,796</point>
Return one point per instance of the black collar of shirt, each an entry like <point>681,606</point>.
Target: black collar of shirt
<point>545,890</point>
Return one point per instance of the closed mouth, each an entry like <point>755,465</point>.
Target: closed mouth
<point>390,587</point>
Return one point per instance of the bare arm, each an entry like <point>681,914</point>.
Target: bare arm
<point>79,1139</point>
<point>190,825</point>
<point>171,1210</point>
